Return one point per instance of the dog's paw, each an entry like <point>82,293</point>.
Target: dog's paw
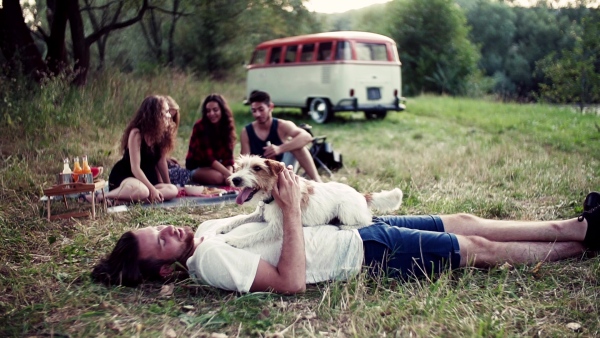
<point>223,230</point>
<point>235,243</point>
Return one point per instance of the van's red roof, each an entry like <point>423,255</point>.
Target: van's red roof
<point>340,35</point>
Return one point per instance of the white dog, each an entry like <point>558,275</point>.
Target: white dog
<point>321,202</point>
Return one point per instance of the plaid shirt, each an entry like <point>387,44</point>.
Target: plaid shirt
<point>204,149</point>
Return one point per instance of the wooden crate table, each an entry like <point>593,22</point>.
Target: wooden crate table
<point>74,188</point>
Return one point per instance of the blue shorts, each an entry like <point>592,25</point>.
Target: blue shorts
<point>406,246</point>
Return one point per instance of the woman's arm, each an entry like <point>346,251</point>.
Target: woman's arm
<point>195,148</point>
<point>163,169</point>
<point>245,143</point>
<point>218,166</point>
<point>289,276</point>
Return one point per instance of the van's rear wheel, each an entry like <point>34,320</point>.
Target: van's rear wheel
<point>320,110</point>
<point>375,114</point>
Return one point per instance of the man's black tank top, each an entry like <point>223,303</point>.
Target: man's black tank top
<point>257,145</point>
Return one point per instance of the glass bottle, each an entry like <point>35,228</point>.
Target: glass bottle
<point>66,168</point>
<point>76,169</point>
<point>76,166</point>
<point>85,166</point>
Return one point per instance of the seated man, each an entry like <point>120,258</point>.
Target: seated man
<point>430,244</point>
<point>265,136</point>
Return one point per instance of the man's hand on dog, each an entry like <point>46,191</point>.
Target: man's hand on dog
<point>287,191</point>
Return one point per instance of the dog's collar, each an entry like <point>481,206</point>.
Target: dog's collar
<point>268,200</point>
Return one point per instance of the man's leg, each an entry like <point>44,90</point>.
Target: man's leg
<point>570,230</point>
<point>481,252</point>
<point>306,162</point>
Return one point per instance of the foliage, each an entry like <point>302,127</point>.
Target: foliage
<point>447,154</point>
<point>209,40</point>
<point>574,76</point>
<point>512,39</point>
<point>433,44</point>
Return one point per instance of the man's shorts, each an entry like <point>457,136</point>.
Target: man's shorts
<point>407,246</point>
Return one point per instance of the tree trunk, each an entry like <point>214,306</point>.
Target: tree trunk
<point>81,51</point>
<point>57,52</point>
<point>176,15</point>
<point>17,44</point>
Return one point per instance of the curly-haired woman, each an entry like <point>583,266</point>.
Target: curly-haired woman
<point>142,174</point>
<point>210,152</point>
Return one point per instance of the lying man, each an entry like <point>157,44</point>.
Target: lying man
<point>400,246</point>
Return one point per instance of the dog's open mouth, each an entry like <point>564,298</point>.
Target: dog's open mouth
<point>245,195</point>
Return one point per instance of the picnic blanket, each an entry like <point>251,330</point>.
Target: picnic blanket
<point>182,200</point>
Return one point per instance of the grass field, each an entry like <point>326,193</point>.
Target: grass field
<point>448,155</point>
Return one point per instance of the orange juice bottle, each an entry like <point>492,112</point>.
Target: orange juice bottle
<point>76,169</point>
<point>85,166</point>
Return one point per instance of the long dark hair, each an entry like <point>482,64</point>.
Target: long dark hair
<point>226,126</point>
<point>123,265</point>
<point>149,120</point>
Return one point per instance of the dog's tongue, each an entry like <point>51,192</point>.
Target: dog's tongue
<point>241,198</point>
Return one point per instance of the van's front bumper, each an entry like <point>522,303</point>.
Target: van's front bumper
<point>352,104</point>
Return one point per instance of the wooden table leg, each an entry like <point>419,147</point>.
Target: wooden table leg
<point>93,204</point>
<point>48,207</point>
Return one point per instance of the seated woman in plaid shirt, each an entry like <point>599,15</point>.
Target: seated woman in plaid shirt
<point>210,153</point>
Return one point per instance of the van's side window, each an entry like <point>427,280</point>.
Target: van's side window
<point>307,52</point>
<point>342,51</point>
<point>371,51</point>
<point>275,55</point>
<point>259,57</point>
<point>324,52</point>
<point>290,54</point>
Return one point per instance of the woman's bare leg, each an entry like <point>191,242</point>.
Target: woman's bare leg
<point>481,252</point>
<point>208,176</point>
<point>169,191</point>
<point>570,230</point>
<point>131,189</point>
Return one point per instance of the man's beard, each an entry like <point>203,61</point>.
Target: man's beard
<point>189,245</point>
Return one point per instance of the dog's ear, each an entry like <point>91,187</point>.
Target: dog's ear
<point>275,166</point>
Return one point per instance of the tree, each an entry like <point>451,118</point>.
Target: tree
<point>20,45</point>
<point>574,76</point>
<point>16,42</point>
<point>432,41</point>
<point>154,26</point>
<point>221,35</point>
<point>512,39</point>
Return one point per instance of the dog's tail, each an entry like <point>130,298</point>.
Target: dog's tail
<point>385,201</point>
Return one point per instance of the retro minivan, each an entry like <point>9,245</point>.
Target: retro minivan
<point>329,72</point>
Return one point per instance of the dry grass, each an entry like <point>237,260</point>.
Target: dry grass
<point>448,155</point>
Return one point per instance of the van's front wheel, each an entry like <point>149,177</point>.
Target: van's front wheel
<point>375,114</point>
<point>320,110</point>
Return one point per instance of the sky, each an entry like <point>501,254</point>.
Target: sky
<point>339,6</point>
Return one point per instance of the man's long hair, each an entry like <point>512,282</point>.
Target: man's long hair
<point>123,266</point>
<point>149,119</point>
<point>226,126</point>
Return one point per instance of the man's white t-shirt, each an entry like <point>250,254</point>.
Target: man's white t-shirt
<point>331,254</point>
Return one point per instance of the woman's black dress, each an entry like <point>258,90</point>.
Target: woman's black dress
<point>122,169</point>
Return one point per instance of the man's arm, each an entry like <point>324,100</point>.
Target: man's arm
<point>289,276</point>
<point>297,136</point>
<point>245,142</point>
